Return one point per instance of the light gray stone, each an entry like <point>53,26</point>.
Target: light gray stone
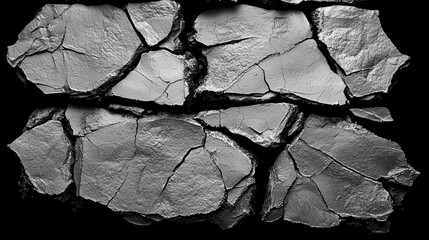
<point>74,49</point>
<point>247,59</point>
<point>159,77</point>
<point>162,165</point>
<point>304,204</point>
<point>45,153</point>
<point>356,40</point>
<point>264,124</point>
<point>376,114</point>
<point>155,20</point>
<point>352,146</point>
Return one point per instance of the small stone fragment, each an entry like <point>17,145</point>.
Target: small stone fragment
<point>159,77</point>
<point>156,20</point>
<point>356,40</point>
<point>376,114</point>
<point>333,1</point>
<point>74,49</point>
<point>84,120</point>
<point>264,124</point>
<point>352,146</point>
<point>45,153</point>
<point>282,176</point>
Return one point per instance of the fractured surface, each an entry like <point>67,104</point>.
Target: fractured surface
<point>165,166</point>
<point>172,121</point>
<point>250,46</point>
<point>356,41</point>
<point>74,48</point>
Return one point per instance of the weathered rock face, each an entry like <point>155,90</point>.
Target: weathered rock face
<point>252,50</point>
<point>357,42</point>
<point>158,22</point>
<point>264,124</point>
<point>339,165</point>
<point>164,166</point>
<point>45,152</point>
<point>74,49</point>
<point>174,127</point>
<point>159,77</point>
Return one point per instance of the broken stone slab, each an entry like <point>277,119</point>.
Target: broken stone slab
<point>356,41</point>
<point>264,124</point>
<point>157,21</point>
<point>74,49</point>
<point>163,165</point>
<point>341,141</point>
<point>159,77</point>
<point>349,194</point>
<point>45,153</point>
<point>247,59</point>
<point>376,114</point>
<point>326,1</point>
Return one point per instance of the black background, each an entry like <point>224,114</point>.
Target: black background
<point>404,22</point>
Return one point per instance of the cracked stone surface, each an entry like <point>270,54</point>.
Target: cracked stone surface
<point>247,113</point>
<point>164,166</point>
<point>45,152</point>
<point>64,49</point>
<point>376,114</point>
<point>159,77</point>
<point>346,164</point>
<point>356,41</point>
<point>244,57</point>
<point>264,124</point>
<point>156,20</point>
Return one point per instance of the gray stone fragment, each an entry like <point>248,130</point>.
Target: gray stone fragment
<point>243,35</point>
<point>159,77</point>
<point>264,124</point>
<point>40,116</point>
<point>45,153</point>
<point>350,195</point>
<point>355,39</point>
<point>282,176</point>
<point>156,20</point>
<point>247,59</point>
<point>74,49</point>
<point>84,120</point>
<point>353,147</point>
<point>162,165</point>
<point>333,1</point>
<point>376,114</point>
<point>304,204</point>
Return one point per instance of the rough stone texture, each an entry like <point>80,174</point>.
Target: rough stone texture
<point>74,48</point>
<point>164,166</point>
<point>376,114</point>
<point>133,144</point>
<point>353,147</point>
<point>339,165</point>
<point>246,58</point>
<point>159,77</point>
<point>264,124</point>
<point>156,20</point>
<point>45,153</point>
<point>356,41</point>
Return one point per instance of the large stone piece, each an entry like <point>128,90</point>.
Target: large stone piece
<point>252,51</point>
<point>264,124</point>
<point>156,20</point>
<point>356,41</point>
<point>332,170</point>
<point>161,165</point>
<point>45,153</point>
<point>159,77</point>
<point>74,49</point>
